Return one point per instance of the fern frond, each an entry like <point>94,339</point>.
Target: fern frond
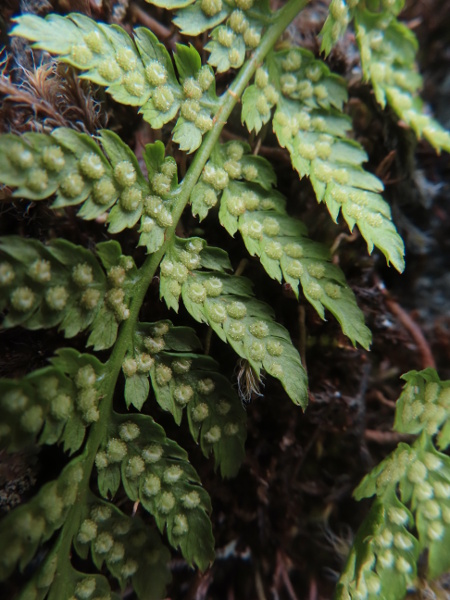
<point>225,302</point>
<point>125,545</point>
<point>56,578</point>
<point>182,379</point>
<point>336,23</point>
<point>281,242</point>
<point>388,52</point>
<point>63,284</point>
<point>308,121</point>
<point>74,167</point>
<point>412,511</point>
<point>136,71</point>
<point>23,530</point>
<point>52,405</point>
<point>155,471</point>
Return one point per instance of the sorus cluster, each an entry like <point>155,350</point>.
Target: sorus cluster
<point>241,31</point>
<point>161,480</point>
<point>119,540</point>
<point>87,399</point>
<point>50,398</point>
<point>175,271</point>
<point>115,296</point>
<point>156,212</point>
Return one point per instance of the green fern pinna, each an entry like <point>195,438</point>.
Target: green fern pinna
<point>101,291</point>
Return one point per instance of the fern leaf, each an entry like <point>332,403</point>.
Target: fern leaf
<point>56,578</point>
<point>182,379</point>
<point>155,470</point>
<point>73,165</point>
<point>63,284</point>
<point>336,23</point>
<point>225,302</point>
<point>52,405</point>
<point>388,51</point>
<point>388,56</point>
<point>125,545</point>
<point>107,56</point>
<point>412,509</point>
<point>286,253</point>
<point>136,71</point>
<point>281,242</point>
<point>309,123</point>
<point>383,557</point>
<point>25,528</point>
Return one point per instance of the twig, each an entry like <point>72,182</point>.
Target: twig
<point>259,586</point>
<point>160,30</point>
<point>313,590</point>
<point>386,437</point>
<point>241,267</point>
<point>381,398</point>
<point>411,326</point>
<point>302,339</point>
<point>343,236</point>
<point>414,330</point>
<point>281,568</point>
<point>257,147</point>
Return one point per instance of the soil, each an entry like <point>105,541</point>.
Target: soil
<point>284,525</point>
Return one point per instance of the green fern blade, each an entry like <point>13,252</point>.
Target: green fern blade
<point>136,72</point>
<point>72,583</point>
<point>44,284</point>
<point>193,20</point>
<point>125,545</point>
<point>73,165</point>
<point>309,122</point>
<point>412,486</point>
<point>388,53</point>
<point>423,389</point>
<point>372,568</point>
<point>63,284</point>
<point>285,252</point>
<point>342,186</point>
<point>182,380</point>
<point>225,303</point>
<point>155,470</point>
<point>27,414</point>
<point>25,528</point>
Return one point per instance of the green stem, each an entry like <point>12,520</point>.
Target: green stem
<point>146,273</point>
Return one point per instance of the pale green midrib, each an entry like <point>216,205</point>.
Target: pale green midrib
<point>146,273</point>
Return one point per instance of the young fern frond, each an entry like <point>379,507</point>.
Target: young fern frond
<point>388,51</point>
<point>411,513</point>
